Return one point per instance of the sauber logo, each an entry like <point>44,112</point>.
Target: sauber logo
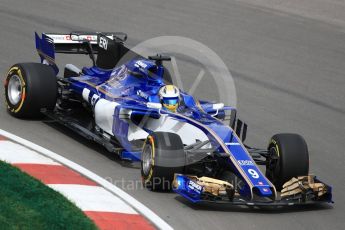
<point>142,94</point>
<point>103,43</point>
<point>140,64</point>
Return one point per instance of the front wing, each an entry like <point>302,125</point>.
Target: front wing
<point>197,191</point>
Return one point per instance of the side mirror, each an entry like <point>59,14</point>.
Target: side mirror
<point>218,106</point>
<point>154,105</point>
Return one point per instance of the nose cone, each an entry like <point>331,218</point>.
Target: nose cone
<point>264,191</point>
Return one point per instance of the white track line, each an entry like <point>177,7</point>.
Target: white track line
<point>93,198</point>
<point>142,209</point>
<point>15,153</point>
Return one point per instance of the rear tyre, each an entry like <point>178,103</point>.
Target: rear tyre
<point>162,156</point>
<point>29,87</point>
<point>288,158</point>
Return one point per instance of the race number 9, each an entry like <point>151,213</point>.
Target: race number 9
<point>253,173</point>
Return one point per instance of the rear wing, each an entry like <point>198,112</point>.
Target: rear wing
<point>109,47</point>
<point>76,42</point>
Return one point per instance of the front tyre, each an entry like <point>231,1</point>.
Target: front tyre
<point>288,157</point>
<point>29,87</point>
<point>162,156</point>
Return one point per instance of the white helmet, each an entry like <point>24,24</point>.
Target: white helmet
<point>169,96</point>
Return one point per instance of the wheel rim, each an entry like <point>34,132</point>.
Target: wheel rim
<point>14,90</point>
<point>273,164</point>
<point>147,159</point>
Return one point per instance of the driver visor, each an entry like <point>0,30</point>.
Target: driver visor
<point>170,101</point>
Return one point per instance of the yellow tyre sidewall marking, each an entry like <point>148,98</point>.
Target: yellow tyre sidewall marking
<point>13,69</point>
<point>276,146</point>
<point>16,70</point>
<point>150,138</point>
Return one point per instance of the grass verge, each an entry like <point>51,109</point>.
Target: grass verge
<point>26,203</point>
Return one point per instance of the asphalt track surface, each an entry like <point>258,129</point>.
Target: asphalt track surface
<point>289,75</point>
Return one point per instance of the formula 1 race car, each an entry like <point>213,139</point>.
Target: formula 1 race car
<point>127,103</point>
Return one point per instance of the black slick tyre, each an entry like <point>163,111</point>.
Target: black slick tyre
<point>30,87</point>
<point>162,156</point>
<point>288,157</point>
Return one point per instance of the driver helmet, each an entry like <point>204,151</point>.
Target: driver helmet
<point>169,96</point>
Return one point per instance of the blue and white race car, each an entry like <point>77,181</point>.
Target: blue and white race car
<point>127,103</point>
